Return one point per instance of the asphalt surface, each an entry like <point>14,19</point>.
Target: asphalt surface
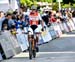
<point>58,50</point>
<point>63,44</point>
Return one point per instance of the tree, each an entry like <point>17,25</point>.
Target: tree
<point>69,1</point>
<point>46,1</point>
<point>23,2</point>
<point>26,2</point>
<point>49,1</point>
<point>30,2</point>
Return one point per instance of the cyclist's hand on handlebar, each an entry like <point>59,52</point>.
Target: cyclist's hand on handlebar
<point>23,32</point>
<point>44,28</point>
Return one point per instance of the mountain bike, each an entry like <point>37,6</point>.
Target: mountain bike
<point>33,40</point>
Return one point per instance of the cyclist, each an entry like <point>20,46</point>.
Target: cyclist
<point>34,20</point>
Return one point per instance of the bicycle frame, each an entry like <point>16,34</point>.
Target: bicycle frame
<point>32,44</point>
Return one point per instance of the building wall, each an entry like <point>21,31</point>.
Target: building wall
<point>8,4</point>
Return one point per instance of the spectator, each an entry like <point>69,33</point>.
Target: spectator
<point>5,23</point>
<point>73,14</point>
<point>1,19</point>
<point>8,21</point>
<point>11,22</point>
<point>45,17</point>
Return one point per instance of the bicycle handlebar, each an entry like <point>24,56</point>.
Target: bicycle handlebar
<point>34,33</point>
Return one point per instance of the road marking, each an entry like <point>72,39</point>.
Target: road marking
<point>55,52</point>
<point>26,54</point>
<point>69,35</point>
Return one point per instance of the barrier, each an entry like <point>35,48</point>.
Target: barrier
<point>66,29</point>
<point>52,32</point>
<point>40,40</point>
<point>69,26</point>
<point>72,24</point>
<point>22,40</point>
<point>73,19</point>
<point>46,36</point>
<point>61,26</point>
<point>1,57</point>
<point>9,45</point>
<point>8,52</point>
<point>57,29</point>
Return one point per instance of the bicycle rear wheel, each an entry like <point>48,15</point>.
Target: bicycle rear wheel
<point>34,48</point>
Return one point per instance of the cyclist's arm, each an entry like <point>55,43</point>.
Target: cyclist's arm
<point>41,20</point>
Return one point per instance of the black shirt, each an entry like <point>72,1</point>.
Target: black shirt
<point>5,22</point>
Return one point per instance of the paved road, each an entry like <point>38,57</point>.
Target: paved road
<point>65,43</point>
<point>45,57</point>
<point>58,50</point>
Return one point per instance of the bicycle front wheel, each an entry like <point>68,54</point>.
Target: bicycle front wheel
<point>34,53</point>
<point>30,50</point>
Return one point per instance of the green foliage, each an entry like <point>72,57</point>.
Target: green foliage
<point>29,2</point>
<point>66,6</point>
<point>55,6</point>
<point>26,2</point>
<point>35,3</point>
<point>68,1</point>
<point>23,2</point>
<point>73,6</point>
<point>49,1</point>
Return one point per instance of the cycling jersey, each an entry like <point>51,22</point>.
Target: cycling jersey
<point>34,18</point>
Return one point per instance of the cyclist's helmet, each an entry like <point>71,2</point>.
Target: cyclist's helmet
<point>33,7</point>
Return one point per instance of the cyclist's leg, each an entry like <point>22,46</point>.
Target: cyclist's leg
<point>36,40</point>
<point>33,28</point>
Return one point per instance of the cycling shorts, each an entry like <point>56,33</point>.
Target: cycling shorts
<point>33,27</point>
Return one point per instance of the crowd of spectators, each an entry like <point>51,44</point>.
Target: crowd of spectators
<point>19,18</point>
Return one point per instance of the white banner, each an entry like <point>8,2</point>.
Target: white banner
<point>72,24</point>
<point>46,36</point>
<point>22,40</point>
<point>1,57</point>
